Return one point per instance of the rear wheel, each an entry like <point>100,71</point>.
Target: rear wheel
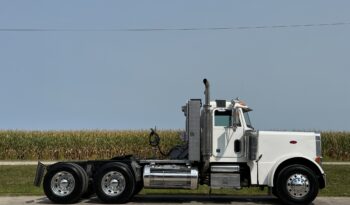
<point>138,187</point>
<point>296,185</point>
<point>90,190</point>
<point>86,180</point>
<point>65,183</point>
<point>114,183</point>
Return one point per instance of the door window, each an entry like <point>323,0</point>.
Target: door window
<point>223,118</point>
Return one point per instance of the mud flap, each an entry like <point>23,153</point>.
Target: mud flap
<point>40,170</point>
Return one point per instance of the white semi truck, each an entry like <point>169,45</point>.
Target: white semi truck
<point>222,150</point>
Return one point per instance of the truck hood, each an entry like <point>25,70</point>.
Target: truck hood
<point>282,143</point>
<point>288,134</point>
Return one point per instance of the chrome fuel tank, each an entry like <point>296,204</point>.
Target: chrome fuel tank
<point>170,176</point>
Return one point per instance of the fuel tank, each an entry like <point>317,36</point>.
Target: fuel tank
<point>170,176</point>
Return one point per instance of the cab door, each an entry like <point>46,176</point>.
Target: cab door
<point>227,134</point>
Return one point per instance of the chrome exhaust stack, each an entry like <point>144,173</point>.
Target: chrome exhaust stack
<point>206,93</point>
<point>207,129</point>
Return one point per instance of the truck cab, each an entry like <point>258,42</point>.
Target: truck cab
<point>233,154</point>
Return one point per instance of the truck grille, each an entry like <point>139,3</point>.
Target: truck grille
<point>318,146</point>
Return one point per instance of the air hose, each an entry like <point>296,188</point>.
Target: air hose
<point>154,141</point>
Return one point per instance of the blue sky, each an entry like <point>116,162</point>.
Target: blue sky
<point>293,78</point>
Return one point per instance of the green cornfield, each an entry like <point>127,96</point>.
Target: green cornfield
<point>102,144</point>
<point>336,145</point>
<point>81,145</point>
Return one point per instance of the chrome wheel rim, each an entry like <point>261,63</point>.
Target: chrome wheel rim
<point>298,185</point>
<point>62,183</point>
<point>113,183</point>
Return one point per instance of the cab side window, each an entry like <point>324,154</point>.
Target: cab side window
<point>224,118</point>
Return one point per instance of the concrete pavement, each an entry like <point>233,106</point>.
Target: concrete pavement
<point>18,163</point>
<point>180,199</point>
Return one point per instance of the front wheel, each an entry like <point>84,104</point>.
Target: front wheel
<point>296,185</point>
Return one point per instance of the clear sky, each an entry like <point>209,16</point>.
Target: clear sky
<point>295,78</point>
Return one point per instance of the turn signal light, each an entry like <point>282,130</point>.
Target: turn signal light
<point>318,160</point>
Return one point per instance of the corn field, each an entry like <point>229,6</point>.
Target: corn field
<point>336,145</point>
<point>100,144</point>
<point>79,145</point>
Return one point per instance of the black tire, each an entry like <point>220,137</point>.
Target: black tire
<point>90,191</point>
<point>85,177</point>
<point>274,191</point>
<point>138,187</point>
<point>118,183</point>
<point>303,193</point>
<point>58,183</point>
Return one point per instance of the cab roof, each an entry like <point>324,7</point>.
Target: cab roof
<point>229,104</point>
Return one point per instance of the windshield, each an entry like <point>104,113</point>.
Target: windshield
<point>247,120</point>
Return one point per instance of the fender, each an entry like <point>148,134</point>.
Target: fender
<point>285,158</point>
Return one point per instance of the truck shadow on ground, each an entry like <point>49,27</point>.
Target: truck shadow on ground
<point>175,199</point>
<point>186,199</point>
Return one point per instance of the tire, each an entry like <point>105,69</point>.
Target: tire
<point>274,191</point>
<point>296,185</point>
<point>90,191</point>
<point>138,187</point>
<point>64,183</point>
<point>86,179</point>
<point>114,183</point>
